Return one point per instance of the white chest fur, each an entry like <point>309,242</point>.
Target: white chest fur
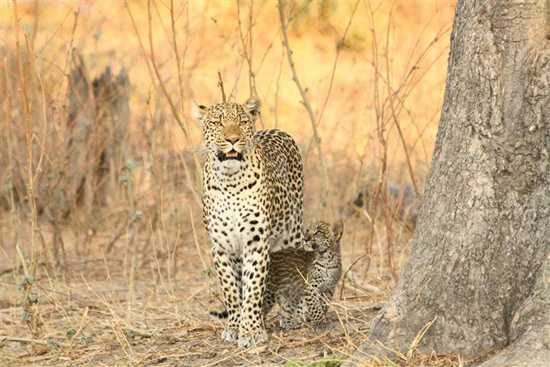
<point>235,206</point>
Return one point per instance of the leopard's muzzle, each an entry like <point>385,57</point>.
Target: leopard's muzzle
<point>231,155</point>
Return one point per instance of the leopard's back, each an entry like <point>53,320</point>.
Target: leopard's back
<point>284,168</point>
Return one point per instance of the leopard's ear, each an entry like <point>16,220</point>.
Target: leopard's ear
<point>253,107</point>
<point>338,230</point>
<point>198,111</point>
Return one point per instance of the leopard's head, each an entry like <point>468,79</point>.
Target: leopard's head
<point>228,128</point>
<point>322,237</point>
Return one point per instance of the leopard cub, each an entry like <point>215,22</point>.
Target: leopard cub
<point>301,281</point>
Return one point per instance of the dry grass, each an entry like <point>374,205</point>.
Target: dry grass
<point>103,258</point>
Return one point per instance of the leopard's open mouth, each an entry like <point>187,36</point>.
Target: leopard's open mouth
<point>231,155</point>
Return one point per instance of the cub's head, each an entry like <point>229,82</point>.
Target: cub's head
<point>321,237</point>
<point>228,128</point>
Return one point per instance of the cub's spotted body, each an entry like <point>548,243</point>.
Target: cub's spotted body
<point>253,205</point>
<point>302,281</point>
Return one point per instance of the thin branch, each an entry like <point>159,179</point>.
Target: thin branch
<point>140,41</point>
<point>154,65</point>
<point>247,46</point>
<point>196,239</point>
<point>27,340</point>
<point>220,85</point>
<point>157,73</point>
<point>306,103</point>
<point>176,51</point>
<point>344,275</point>
<point>277,89</point>
<point>339,47</point>
<point>305,100</point>
<point>381,187</point>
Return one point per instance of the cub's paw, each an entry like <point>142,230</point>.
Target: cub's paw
<point>319,326</point>
<point>289,323</point>
<point>230,335</point>
<point>252,339</point>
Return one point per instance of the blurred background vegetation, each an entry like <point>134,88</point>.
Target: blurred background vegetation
<point>100,160</point>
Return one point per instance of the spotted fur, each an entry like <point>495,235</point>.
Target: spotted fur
<point>253,205</point>
<point>302,281</point>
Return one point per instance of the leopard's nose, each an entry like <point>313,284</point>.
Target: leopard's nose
<point>232,139</point>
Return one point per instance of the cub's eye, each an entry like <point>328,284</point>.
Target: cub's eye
<point>216,122</point>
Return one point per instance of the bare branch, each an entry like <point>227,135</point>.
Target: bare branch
<point>220,85</point>
<point>339,47</point>
<point>307,105</point>
<point>247,46</point>
<point>154,65</point>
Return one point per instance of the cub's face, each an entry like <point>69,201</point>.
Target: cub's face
<point>321,237</point>
<point>228,129</point>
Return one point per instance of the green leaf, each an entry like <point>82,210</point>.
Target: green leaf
<point>207,273</point>
<point>25,316</point>
<point>131,164</point>
<point>137,215</point>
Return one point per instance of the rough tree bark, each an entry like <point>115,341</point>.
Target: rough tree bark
<point>480,262</point>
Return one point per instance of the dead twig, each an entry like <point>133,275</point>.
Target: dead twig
<point>305,102</point>
<point>154,65</point>
<point>220,85</point>
<point>25,340</point>
<point>339,46</point>
<point>119,234</point>
<point>196,240</point>
<point>247,46</point>
<point>344,275</point>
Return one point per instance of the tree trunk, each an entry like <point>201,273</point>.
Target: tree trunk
<point>480,264</point>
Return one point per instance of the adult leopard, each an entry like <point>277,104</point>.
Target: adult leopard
<point>253,205</point>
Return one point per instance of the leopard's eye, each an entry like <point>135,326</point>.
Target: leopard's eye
<point>215,122</point>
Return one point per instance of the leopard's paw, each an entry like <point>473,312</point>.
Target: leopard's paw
<point>252,339</point>
<point>230,335</point>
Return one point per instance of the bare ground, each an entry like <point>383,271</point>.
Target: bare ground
<point>166,329</point>
<point>93,314</point>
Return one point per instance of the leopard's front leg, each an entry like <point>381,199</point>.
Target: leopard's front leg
<point>255,270</point>
<point>228,269</point>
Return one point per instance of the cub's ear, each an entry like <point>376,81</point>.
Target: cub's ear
<point>309,243</point>
<point>198,111</point>
<point>252,106</point>
<point>338,230</point>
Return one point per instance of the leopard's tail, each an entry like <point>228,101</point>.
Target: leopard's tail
<point>220,315</point>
